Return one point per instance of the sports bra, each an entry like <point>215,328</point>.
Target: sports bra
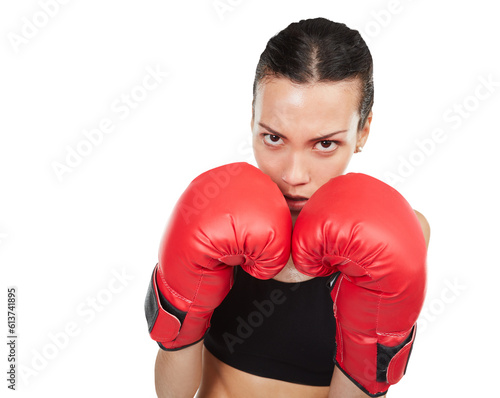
<point>278,330</point>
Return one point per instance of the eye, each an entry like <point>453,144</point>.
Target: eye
<point>326,145</point>
<point>271,139</point>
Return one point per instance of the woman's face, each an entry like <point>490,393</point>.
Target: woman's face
<point>304,135</point>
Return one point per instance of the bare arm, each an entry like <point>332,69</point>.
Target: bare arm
<point>342,387</point>
<point>178,373</point>
<point>426,229</point>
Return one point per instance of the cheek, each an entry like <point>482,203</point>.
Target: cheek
<point>268,163</point>
<point>334,167</point>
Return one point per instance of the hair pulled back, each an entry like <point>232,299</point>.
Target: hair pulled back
<point>319,50</point>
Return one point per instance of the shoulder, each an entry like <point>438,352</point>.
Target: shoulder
<point>426,229</point>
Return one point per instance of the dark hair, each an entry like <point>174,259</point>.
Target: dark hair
<point>319,50</point>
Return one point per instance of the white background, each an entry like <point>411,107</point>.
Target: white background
<point>63,241</point>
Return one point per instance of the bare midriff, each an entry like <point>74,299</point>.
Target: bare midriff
<point>223,381</point>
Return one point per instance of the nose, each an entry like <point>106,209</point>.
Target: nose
<point>296,171</point>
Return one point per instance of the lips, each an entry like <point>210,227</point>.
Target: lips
<point>295,203</point>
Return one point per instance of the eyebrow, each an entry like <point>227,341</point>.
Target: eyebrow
<point>321,138</point>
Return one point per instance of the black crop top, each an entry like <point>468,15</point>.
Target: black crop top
<point>283,331</point>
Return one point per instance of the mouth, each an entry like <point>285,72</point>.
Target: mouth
<point>295,203</point>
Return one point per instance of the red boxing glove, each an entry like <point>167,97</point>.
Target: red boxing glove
<point>231,215</point>
<point>366,231</point>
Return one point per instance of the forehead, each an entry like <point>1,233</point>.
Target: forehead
<point>279,100</point>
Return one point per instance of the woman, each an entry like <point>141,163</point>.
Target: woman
<point>311,111</point>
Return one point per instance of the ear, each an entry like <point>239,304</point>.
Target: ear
<point>365,131</point>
